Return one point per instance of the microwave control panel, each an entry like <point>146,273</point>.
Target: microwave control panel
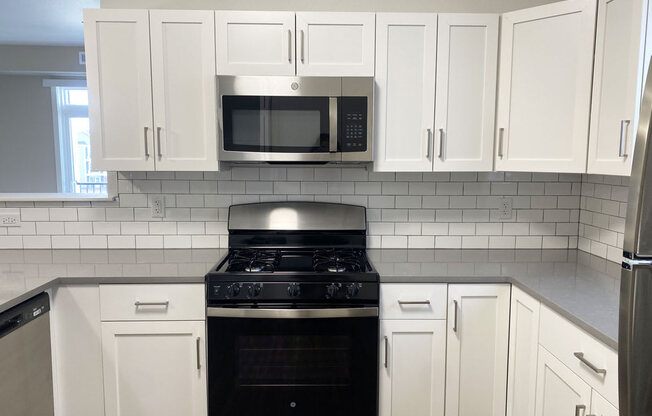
<point>353,124</point>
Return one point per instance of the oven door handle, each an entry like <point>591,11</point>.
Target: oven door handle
<point>291,313</point>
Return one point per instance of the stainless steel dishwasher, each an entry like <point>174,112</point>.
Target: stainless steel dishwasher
<point>26,359</point>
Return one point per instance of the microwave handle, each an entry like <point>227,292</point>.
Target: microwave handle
<point>332,124</point>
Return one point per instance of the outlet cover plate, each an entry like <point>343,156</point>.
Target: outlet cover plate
<point>9,218</point>
<point>505,208</point>
<point>158,206</point>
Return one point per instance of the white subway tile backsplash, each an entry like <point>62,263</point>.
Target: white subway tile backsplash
<point>34,214</point>
<point>121,241</point>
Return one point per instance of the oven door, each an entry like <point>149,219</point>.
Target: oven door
<point>308,362</point>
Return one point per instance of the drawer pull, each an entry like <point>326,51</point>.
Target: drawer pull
<point>386,350</point>
<point>414,302</point>
<point>579,408</point>
<point>164,303</point>
<point>580,356</point>
<point>455,316</point>
<point>198,353</point>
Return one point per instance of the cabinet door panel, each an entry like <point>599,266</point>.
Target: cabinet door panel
<point>545,87</point>
<point>154,368</point>
<point>405,91</point>
<point>255,43</point>
<point>476,361</point>
<point>616,83</point>
<point>183,75</point>
<point>120,89</point>
<point>559,390</point>
<point>467,62</point>
<point>412,382</point>
<point>523,348</point>
<point>601,407</point>
<point>335,44</point>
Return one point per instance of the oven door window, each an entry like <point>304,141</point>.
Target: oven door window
<point>292,366</point>
<point>276,124</point>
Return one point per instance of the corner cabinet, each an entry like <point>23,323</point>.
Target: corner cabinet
<point>154,368</point>
<point>422,128</point>
<point>476,353</point>
<point>617,81</point>
<point>465,100</point>
<point>544,93</point>
<point>158,116</point>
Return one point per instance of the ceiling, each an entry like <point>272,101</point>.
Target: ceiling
<point>43,22</point>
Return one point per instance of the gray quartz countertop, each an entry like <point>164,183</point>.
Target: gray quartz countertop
<point>581,287</point>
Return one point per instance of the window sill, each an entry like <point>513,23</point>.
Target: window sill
<point>35,197</point>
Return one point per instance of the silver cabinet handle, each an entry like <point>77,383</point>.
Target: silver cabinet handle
<point>386,351</point>
<point>454,316</point>
<point>580,356</point>
<point>165,303</point>
<point>198,353</point>
<point>414,302</point>
<point>158,143</point>
<point>441,144</point>
<point>622,149</point>
<point>146,144</point>
<point>501,133</point>
<point>302,48</point>
<point>579,408</point>
<point>428,134</point>
<point>289,46</point>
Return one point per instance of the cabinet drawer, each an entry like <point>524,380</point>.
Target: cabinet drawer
<point>152,302</point>
<point>563,339</point>
<point>413,301</point>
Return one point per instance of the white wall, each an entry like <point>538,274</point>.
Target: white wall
<point>54,60</point>
<point>27,161</point>
<point>467,6</point>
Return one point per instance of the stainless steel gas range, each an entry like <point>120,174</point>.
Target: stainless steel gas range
<point>293,314</point>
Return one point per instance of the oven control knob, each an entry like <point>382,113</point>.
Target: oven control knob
<point>294,289</point>
<point>352,290</point>
<point>254,290</point>
<point>233,290</point>
<point>332,289</point>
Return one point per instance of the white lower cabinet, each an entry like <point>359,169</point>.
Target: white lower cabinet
<point>154,368</point>
<point>412,367</point>
<point>601,407</point>
<point>559,390</point>
<point>476,359</point>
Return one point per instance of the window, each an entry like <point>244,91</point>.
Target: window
<point>72,141</point>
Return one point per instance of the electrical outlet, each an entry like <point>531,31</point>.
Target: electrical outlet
<point>158,206</point>
<point>505,209</point>
<point>9,218</point>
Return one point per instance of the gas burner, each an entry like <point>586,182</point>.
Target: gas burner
<point>253,261</point>
<point>338,260</point>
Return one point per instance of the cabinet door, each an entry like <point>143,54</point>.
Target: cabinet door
<point>184,90</point>
<point>559,390</point>
<point>412,367</point>
<point>255,43</point>
<point>405,91</point>
<point>544,93</point>
<point>154,368</point>
<point>616,83</point>
<point>601,407</point>
<point>476,361</point>
<point>465,105</point>
<point>335,44</point>
<point>523,348</point>
<point>119,89</point>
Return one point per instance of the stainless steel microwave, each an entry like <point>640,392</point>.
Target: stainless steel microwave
<point>295,119</point>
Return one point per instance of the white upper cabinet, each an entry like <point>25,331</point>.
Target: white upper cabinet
<point>616,86</point>
<point>412,367</point>
<point>545,87</point>
<point>120,89</point>
<point>255,43</point>
<point>184,90</point>
<point>405,91</point>
<point>335,44</point>
<point>467,55</point>
<point>477,339</point>
<point>559,390</point>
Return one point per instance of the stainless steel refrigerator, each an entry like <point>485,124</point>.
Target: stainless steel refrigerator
<point>635,323</point>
